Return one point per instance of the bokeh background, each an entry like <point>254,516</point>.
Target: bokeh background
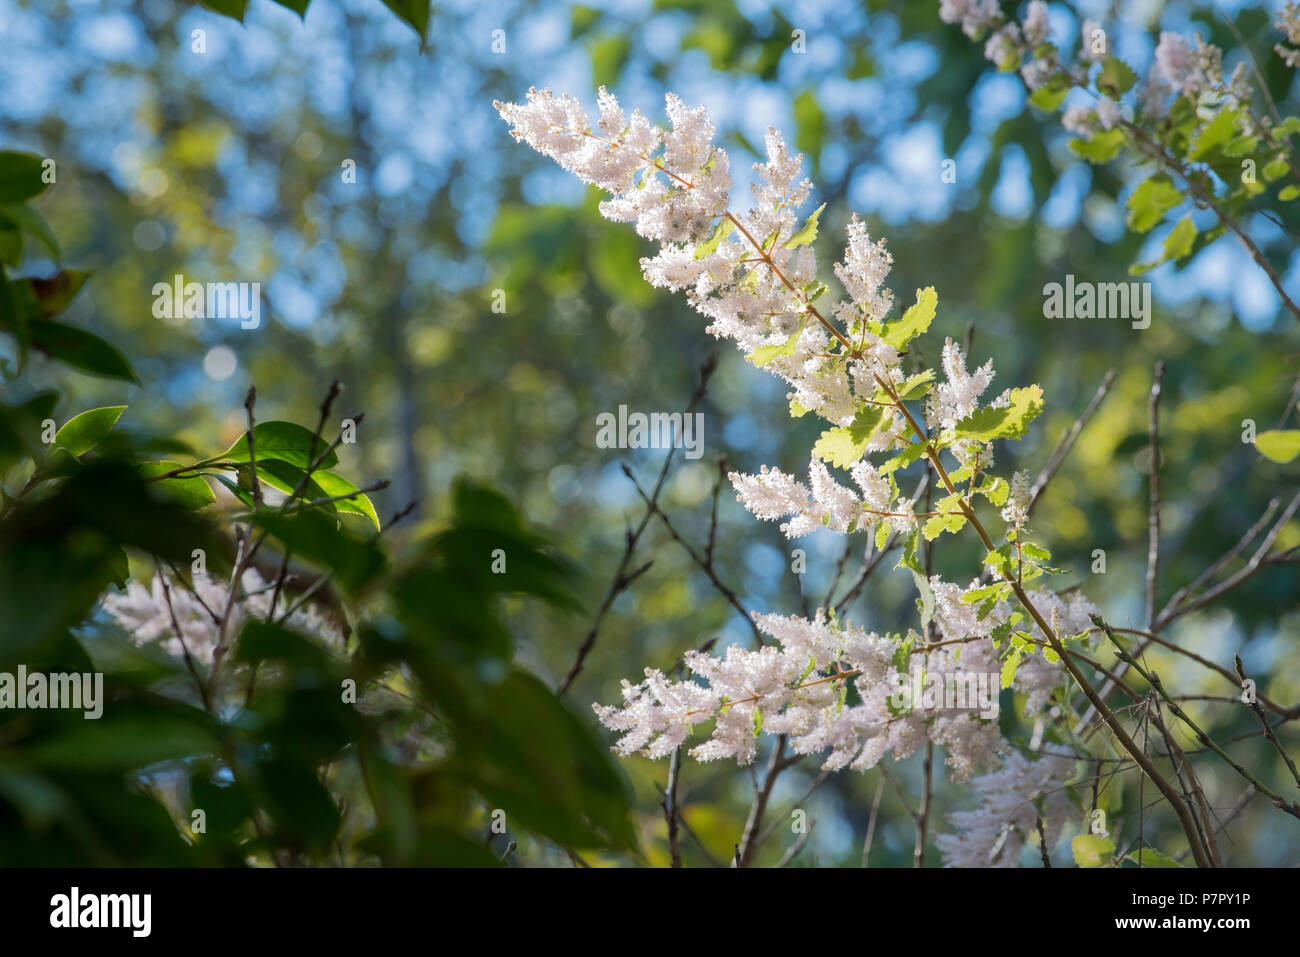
<point>226,166</point>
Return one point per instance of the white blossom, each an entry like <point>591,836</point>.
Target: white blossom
<point>144,614</point>
<point>993,835</point>
<point>975,16</point>
<point>1016,509</point>
<point>1035,25</point>
<point>1288,21</point>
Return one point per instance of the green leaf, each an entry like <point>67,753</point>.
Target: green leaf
<point>1180,239</point>
<point>1116,77</point>
<point>1288,127</point>
<point>844,445</point>
<point>916,386</point>
<point>20,176</point>
<point>1275,168</point>
<point>33,222</point>
<point>1101,147</point>
<point>1220,130</point>
<point>1241,146</point>
<point>285,441</point>
<point>995,489</point>
<point>1009,422</point>
<point>925,603</point>
<point>1051,94</point>
<point>1288,194</point>
<point>1279,445</point>
<point>1150,857</point>
<point>335,485</point>
<point>229,8</point>
<point>720,230</point>
<point>1150,201</point>
<point>1010,666</point>
<point>950,518</point>
<point>806,233</point>
<point>413,12</point>
<point>915,320</point>
<point>1091,850</point>
<point>317,538</point>
<point>83,432</point>
<point>80,349</point>
<point>1035,553</point>
<point>191,491</point>
<point>297,6</point>
<point>765,354</point>
<point>54,294</point>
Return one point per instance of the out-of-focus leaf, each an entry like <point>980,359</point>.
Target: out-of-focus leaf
<point>20,176</point>
<point>1279,445</point>
<point>80,349</point>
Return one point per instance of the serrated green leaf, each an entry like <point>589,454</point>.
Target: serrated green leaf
<point>995,489</point>
<point>844,445</point>
<point>1220,130</point>
<point>1008,422</point>
<point>1150,201</point>
<point>1180,239</point>
<point>1050,95</point>
<point>914,321</point>
<point>916,386</point>
<point>950,518</point>
<point>720,231</point>
<point>765,354</point>
<point>1100,147</point>
<point>1010,666</point>
<point>1116,77</point>
<point>1034,552</point>
<point>807,232</point>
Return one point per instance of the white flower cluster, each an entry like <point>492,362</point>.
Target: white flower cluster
<point>1086,120</point>
<point>143,612</point>
<point>1012,799</point>
<point>748,274</point>
<point>1017,508</point>
<point>772,495</point>
<point>975,16</point>
<point>800,689</point>
<point>1187,68</point>
<point>1288,21</point>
